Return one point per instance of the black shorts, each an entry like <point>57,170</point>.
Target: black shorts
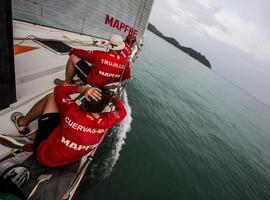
<point>46,125</point>
<point>82,69</point>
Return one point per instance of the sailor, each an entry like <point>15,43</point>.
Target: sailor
<point>129,43</point>
<point>105,67</point>
<point>66,131</point>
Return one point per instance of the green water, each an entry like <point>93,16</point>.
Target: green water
<point>193,135</point>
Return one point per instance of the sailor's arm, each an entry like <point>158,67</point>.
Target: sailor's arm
<point>62,94</point>
<point>63,91</point>
<point>134,51</point>
<point>90,92</point>
<point>62,97</point>
<point>86,55</point>
<point>126,75</point>
<point>118,114</point>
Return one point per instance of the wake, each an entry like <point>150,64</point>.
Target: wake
<point>109,150</point>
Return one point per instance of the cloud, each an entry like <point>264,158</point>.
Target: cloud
<point>209,4</point>
<point>206,17</point>
<point>233,35</point>
<point>174,18</point>
<point>241,34</point>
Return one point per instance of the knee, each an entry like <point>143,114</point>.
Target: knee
<point>74,59</point>
<point>51,105</point>
<point>49,97</point>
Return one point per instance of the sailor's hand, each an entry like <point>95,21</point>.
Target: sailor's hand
<point>92,92</point>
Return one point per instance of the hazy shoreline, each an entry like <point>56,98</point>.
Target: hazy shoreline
<point>194,54</point>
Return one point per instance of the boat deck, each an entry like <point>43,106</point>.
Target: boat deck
<point>36,68</point>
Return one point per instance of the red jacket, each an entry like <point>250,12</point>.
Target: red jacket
<point>107,67</point>
<point>126,52</point>
<point>78,133</point>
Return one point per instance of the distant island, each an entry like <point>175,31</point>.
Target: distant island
<point>196,55</point>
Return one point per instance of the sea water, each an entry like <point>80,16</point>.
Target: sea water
<point>193,136</point>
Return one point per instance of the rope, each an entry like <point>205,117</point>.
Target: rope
<point>142,14</point>
<point>73,42</point>
<point>29,37</point>
<point>134,26</point>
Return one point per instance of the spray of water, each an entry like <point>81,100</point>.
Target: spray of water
<point>109,150</point>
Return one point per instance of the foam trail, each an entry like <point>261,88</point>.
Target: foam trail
<point>109,150</point>
<point>121,132</point>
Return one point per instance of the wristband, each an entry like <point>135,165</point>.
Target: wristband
<point>89,86</point>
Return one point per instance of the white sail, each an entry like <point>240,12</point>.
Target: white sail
<point>90,17</point>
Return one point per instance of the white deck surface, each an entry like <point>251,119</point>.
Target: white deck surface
<point>35,71</point>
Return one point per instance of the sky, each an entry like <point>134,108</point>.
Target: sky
<point>233,35</point>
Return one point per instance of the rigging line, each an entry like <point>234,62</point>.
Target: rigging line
<point>126,82</point>
<point>243,90</point>
<point>75,42</point>
<point>142,14</point>
<point>124,85</point>
<point>120,80</point>
<point>33,37</point>
<point>119,84</point>
<point>82,42</point>
<point>28,37</point>
<point>134,25</point>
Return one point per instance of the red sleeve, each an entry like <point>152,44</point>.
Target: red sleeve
<point>62,98</point>
<point>117,115</point>
<point>126,74</point>
<point>86,55</point>
<point>128,48</point>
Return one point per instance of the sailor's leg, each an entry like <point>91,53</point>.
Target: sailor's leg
<point>32,136</point>
<point>70,68</point>
<point>51,105</point>
<point>45,105</point>
<point>48,122</point>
